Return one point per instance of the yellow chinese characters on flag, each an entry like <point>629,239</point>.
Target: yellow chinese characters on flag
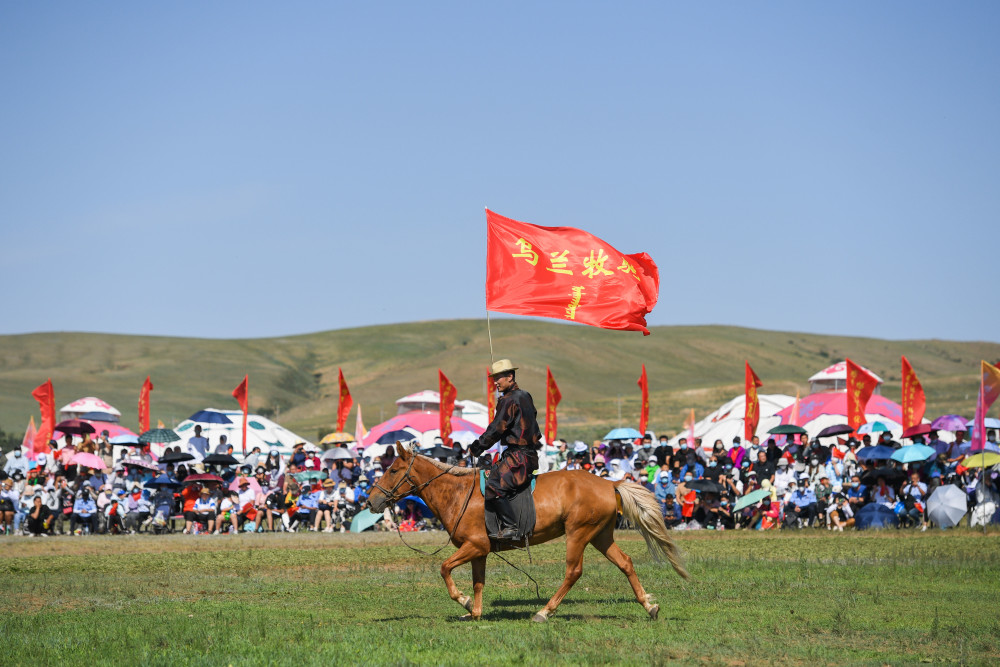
<point>568,274</point>
<point>860,387</point>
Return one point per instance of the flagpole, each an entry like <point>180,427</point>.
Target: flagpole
<point>489,332</point>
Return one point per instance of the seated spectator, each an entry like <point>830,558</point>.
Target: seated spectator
<point>857,494</point>
<point>766,516</point>
<point>39,518</point>
<point>801,507</point>
<point>205,509</point>
<point>9,500</point>
<point>671,512</point>
<point>913,494</point>
<point>228,518</point>
<point>326,506</point>
<point>139,510</point>
<point>883,493</point>
<point>84,512</point>
<point>840,514</point>
<point>114,514</point>
<point>247,501</point>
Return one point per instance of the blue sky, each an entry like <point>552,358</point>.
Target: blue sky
<point>248,169</point>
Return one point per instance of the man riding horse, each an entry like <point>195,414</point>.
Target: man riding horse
<point>515,426</point>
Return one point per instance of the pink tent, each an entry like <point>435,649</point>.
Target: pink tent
<point>816,411</point>
<point>114,430</point>
<point>418,421</point>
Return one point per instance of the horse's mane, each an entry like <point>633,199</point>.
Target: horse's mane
<point>447,467</point>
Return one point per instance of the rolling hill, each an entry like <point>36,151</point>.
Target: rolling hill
<point>295,378</point>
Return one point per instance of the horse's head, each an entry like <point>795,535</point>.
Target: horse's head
<point>395,482</point>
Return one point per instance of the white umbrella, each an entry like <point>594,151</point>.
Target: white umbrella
<point>947,505</point>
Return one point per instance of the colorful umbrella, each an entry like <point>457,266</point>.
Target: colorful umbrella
<point>87,460</point>
<point>836,429</point>
<point>875,453</point>
<point>988,422</point>
<point>873,427</point>
<point>137,463</point>
<point>391,437</point>
<point>981,460</point>
<point>751,498</point>
<point>364,520</point>
<point>204,477</point>
<point>336,438</point>
<point>337,454</point>
<point>917,429</point>
<point>159,435</point>
<point>176,457</point>
<point>949,423</point>
<point>787,429</point>
<point>875,515</point>
<point>913,453</point>
<point>425,423</point>
<point>210,417</point>
<point>622,433</point>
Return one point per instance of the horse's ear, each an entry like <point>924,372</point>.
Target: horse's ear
<point>401,451</point>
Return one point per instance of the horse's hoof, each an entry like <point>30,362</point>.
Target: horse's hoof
<point>468,617</point>
<point>654,611</point>
<point>467,604</point>
<point>539,618</point>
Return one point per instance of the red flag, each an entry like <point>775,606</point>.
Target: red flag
<point>359,427</point>
<point>860,387</point>
<point>989,391</point>
<point>345,401</point>
<point>552,398</point>
<point>240,394</point>
<point>46,398</point>
<point>147,387</point>
<point>28,442</point>
<point>448,396</point>
<point>568,274</point>
<point>491,395</point>
<point>689,424</point>
<point>644,409</point>
<point>751,414</point>
<point>914,402</point>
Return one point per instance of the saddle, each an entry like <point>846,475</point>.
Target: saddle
<point>523,504</point>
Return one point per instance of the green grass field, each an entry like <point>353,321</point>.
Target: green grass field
<point>786,598</point>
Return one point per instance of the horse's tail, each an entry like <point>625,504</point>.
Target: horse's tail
<point>641,507</point>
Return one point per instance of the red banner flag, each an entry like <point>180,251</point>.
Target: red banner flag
<point>491,395</point>
<point>147,387</point>
<point>914,402</point>
<point>751,413</point>
<point>860,387</point>
<point>241,394</point>
<point>989,391</point>
<point>568,274</point>
<point>344,402</point>
<point>689,424</point>
<point>644,408</point>
<point>46,398</point>
<point>28,442</point>
<point>552,398</point>
<point>448,396</point>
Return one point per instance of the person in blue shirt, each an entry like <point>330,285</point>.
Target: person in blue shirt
<point>308,504</point>
<point>802,504</point>
<point>361,492</point>
<point>692,466</point>
<point>664,487</point>
<point>84,512</point>
<point>857,494</point>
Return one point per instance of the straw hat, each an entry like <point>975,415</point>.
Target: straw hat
<point>501,367</point>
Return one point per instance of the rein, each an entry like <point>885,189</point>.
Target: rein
<point>414,489</point>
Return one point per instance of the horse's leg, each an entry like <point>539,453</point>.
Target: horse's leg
<point>465,553</point>
<point>604,542</point>
<point>478,581</point>
<point>575,544</point>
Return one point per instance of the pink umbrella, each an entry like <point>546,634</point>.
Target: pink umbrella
<point>418,421</point>
<point>87,460</point>
<point>66,455</point>
<point>114,430</point>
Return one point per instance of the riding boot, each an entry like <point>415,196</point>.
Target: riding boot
<point>507,518</point>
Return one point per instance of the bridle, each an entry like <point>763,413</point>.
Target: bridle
<point>392,497</point>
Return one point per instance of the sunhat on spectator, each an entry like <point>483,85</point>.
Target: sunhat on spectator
<point>328,483</point>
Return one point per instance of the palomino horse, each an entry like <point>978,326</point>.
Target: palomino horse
<point>571,502</point>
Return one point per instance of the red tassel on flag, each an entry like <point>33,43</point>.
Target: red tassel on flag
<point>344,402</point>
<point>552,398</point>
<point>46,398</point>
<point>147,387</point>
<point>644,408</point>
<point>751,414</point>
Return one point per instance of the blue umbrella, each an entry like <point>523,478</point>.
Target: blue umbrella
<point>988,422</point>
<point>873,427</point>
<point>364,520</point>
<point>875,453</point>
<point>391,437</point>
<point>210,417</point>
<point>913,453</point>
<point>875,515</point>
<point>421,505</point>
<point>125,439</point>
<point>622,434</point>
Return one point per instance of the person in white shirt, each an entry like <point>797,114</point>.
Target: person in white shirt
<point>205,509</point>
<point>197,446</point>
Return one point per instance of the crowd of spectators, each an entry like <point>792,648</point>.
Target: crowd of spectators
<point>800,485</point>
